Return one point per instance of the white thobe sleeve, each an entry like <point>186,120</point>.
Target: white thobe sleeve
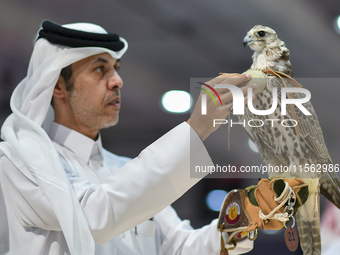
<point>144,186</point>
<point>133,194</point>
<point>178,237</point>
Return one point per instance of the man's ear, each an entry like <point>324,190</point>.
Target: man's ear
<point>60,88</point>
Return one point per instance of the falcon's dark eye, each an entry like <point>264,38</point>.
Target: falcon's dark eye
<point>261,33</point>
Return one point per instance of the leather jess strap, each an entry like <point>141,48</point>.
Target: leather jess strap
<point>280,75</point>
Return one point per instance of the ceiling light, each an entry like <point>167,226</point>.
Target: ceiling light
<point>336,24</point>
<point>176,101</point>
<point>215,199</point>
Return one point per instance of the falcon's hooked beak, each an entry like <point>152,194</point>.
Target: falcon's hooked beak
<point>247,39</point>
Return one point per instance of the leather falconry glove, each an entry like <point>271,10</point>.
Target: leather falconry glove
<point>269,205</point>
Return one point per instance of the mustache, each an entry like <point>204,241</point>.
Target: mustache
<point>115,93</point>
<point>114,96</point>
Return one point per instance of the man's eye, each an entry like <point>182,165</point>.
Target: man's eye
<point>100,69</point>
<point>117,68</point>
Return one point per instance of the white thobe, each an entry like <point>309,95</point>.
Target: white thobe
<point>118,196</point>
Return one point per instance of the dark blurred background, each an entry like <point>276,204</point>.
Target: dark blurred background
<point>173,41</point>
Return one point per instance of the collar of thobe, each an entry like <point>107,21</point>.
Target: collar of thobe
<point>83,146</point>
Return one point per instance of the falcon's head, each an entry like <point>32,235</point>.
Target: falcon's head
<point>259,37</point>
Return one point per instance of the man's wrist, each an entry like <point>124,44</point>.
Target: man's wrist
<point>202,133</point>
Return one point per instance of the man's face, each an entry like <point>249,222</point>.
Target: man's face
<point>95,97</point>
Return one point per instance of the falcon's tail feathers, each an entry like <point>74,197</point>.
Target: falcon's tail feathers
<point>308,218</point>
<point>330,190</point>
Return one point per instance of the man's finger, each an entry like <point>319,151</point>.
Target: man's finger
<point>239,78</point>
<point>231,81</point>
<point>214,81</point>
<point>226,97</point>
<point>238,81</point>
<point>234,79</point>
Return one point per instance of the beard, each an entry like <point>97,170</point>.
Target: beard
<point>91,114</point>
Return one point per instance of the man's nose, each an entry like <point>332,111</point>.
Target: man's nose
<point>115,81</point>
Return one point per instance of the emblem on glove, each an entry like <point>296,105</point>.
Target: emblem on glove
<point>233,213</point>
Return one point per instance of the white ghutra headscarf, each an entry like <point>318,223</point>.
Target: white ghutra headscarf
<point>27,144</point>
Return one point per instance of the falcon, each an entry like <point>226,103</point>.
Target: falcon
<point>290,146</point>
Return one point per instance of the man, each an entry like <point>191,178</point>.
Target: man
<point>64,193</point>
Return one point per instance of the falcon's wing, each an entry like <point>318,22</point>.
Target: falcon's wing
<point>311,133</point>
<point>309,126</point>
